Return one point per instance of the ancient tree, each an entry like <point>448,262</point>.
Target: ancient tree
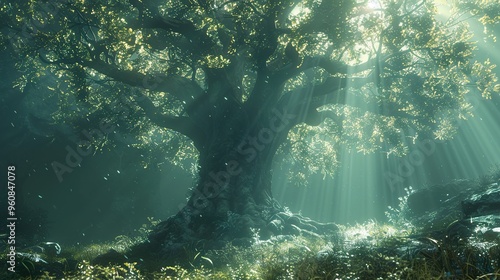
<point>234,83</point>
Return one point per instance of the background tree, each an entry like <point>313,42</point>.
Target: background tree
<point>235,82</point>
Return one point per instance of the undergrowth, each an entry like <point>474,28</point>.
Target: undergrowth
<point>362,251</point>
<point>371,250</point>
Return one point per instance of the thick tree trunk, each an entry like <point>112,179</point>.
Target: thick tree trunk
<point>232,200</point>
<point>233,196</point>
<point>229,200</point>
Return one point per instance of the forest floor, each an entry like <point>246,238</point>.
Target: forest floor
<point>363,251</point>
<point>457,238</point>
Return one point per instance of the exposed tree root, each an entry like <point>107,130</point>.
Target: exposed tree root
<point>174,239</point>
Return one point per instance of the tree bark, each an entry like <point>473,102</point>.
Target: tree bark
<point>232,201</point>
<point>233,194</point>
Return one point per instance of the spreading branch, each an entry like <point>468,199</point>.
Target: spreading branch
<point>184,89</point>
<point>150,18</point>
<point>180,124</point>
<point>333,67</point>
<point>306,100</point>
<point>181,88</point>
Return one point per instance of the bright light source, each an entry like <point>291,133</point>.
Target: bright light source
<point>374,4</point>
<point>443,9</point>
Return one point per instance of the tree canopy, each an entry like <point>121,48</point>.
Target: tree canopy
<point>364,74</point>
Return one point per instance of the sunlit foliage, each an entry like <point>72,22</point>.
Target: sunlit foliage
<point>487,12</point>
<point>403,73</point>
